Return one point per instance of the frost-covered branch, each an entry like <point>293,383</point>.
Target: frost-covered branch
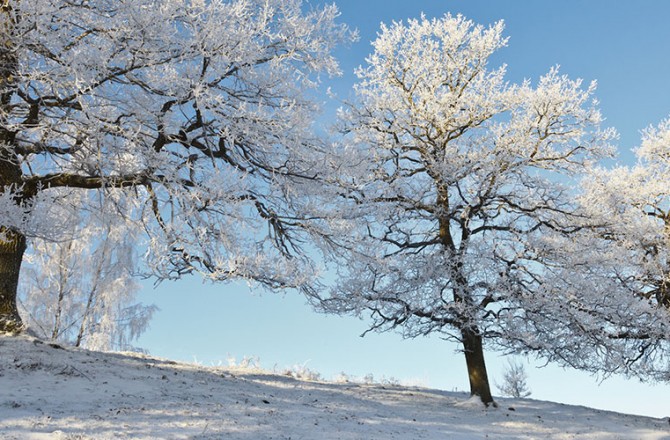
<point>210,131</point>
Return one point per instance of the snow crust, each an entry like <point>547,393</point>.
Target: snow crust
<point>53,392</point>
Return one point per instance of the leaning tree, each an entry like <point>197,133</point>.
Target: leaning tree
<point>198,111</point>
<point>445,178</point>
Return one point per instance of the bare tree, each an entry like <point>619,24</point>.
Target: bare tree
<point>514,381</point>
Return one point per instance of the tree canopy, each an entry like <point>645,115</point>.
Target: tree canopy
<point>605,296</point>
<point>198,111</point>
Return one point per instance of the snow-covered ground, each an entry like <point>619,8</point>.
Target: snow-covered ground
<point>53,392</point>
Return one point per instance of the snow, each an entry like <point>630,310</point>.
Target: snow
<point>49,392</point>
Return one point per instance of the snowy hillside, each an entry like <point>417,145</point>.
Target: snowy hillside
<point>52,392</point>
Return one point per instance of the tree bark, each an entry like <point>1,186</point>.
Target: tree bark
<point>473,349</point>
<point>12,247</point>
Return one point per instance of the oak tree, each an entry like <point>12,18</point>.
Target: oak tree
<point>445,177</point>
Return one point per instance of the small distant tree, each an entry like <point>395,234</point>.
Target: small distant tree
<point>446,177</point>
<point>82,290</point>
<point>514,381</point>
<point>199,111</point>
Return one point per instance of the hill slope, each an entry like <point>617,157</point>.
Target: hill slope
<point>52,392</point>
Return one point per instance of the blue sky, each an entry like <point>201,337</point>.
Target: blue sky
<point>622,45</point>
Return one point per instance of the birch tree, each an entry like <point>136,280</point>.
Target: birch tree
<point>446,176</point>
<point>199,111</point>
<point>82,290</point>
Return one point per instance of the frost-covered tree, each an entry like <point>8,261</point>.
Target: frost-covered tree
<point>611,284</point>
<point>82,290</point>
<point>514,381</point>
<point>446,174</point>
<point>200,111</point>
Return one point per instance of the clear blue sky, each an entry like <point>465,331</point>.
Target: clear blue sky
<point>623,45</point>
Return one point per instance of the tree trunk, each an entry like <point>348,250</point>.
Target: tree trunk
<point>474,358</point>
<point>12,247</point>
<point>472,340</point>
<point>12,242</point>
